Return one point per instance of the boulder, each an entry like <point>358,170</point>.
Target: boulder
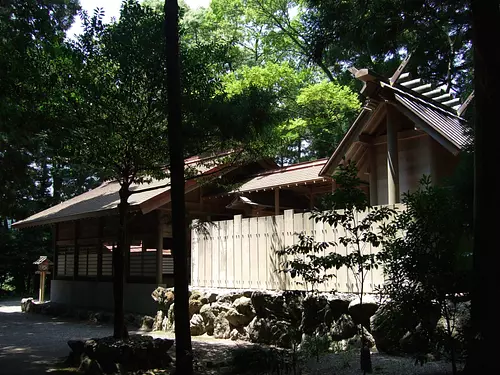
<point>208,316</point>
<point>270,331</point>
<point>314,308</point>
<point>137,353</point>
<point>244,306</point>
<point>361,313</point>
<point>259,330</point>
<point>268,304</point>
<point>388,325</point>
<point>195,303</point>
<point>77,347</point>
<point>355,342</point>
<point>147,323</point>
<point>163,296</point>
<point>237,335</point>
<point>211,297</point>
<point>229,297</point>
<point>158,321</point>
<point>293,306</point>
<point>236,319</point>
<point>90,367</point>
<point>222,329</point>
<point>339,305</point>
<point>170,326</point>
<point>217,307</point>
<point>196,325</point>
<point>343,328</point>
<point>25,302</point>
<point>416,341</point>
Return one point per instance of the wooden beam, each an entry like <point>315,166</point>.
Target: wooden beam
<point>399,70</point>
<point>382,139</point>
<point>392,160</point>
<point>465,104</point>
<point>276,201</point>
<point>159,249</point>
<point>373,175</point>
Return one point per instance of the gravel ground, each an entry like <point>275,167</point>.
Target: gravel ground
<point>30,343</point>
<point>348,364</point>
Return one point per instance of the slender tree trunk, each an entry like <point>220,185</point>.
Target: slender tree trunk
<point>184,356</point>
<point>120,330</point>
<point>486,33</point>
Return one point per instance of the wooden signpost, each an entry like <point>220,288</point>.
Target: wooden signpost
<point>43,264</point>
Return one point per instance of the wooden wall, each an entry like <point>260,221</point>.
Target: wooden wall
<point>240,253</point>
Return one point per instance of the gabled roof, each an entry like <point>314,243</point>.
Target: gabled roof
<point>296,174</point>
<point>432,110</point>
<point>104,199</point>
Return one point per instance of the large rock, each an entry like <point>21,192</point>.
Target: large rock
<point>237,334</point>
<point>157,324</point>
<point>343,328</point>
<point>137,353</point>
<point>25,302</point>
<point>244,306</point>
<point>269,331</point>
<point>293,306</point>
<point>268,304</point>
<point>164,297</point>
<point>236,319</point>
<point>388,325</point>
<point>259,330</point>
<point>147,323</point>
<point>338,305</point>
<point>361,313</point>
<point>208,316</point>
<point>195,303</point>
<point>196,325</point>
<point>229,297</point>
<point>313,314</point>
<point>218,308</point>
<point>169,321</point>
<point>222,328</point>
<point>356,341</point>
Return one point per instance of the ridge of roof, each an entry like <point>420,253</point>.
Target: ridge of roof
<point>428,101</point>
<point>292,167</point>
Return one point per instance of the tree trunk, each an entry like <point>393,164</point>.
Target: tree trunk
<point>120,330</point>
<point>486,33</point>
<point>184,357</point>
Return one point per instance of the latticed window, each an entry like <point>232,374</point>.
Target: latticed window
<point>87,261</point>
<point>107,259</point>
<point>65,261</point>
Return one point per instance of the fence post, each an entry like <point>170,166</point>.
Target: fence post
<point>194,254</point>
<point>289,237</point>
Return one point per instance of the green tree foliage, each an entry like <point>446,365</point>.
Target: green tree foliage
<point>373,34</point>
<point>34,167</point>
<point>427,260</point>
<point>315,115</point>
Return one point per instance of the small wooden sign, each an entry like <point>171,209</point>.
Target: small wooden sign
<point>43,264</point>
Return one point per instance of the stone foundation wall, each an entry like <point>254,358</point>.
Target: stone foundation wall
<point>269,317</point>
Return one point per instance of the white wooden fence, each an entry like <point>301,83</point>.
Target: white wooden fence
<point>240,253</point>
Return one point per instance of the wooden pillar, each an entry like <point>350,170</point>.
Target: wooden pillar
<point>55,232</point>
<point>372,154</point>
<point>392,160</point>
<point>159,250</point>
<point>277,201</point>
<point>76,253</point>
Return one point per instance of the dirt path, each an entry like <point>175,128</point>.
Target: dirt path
<point>29,342</point>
